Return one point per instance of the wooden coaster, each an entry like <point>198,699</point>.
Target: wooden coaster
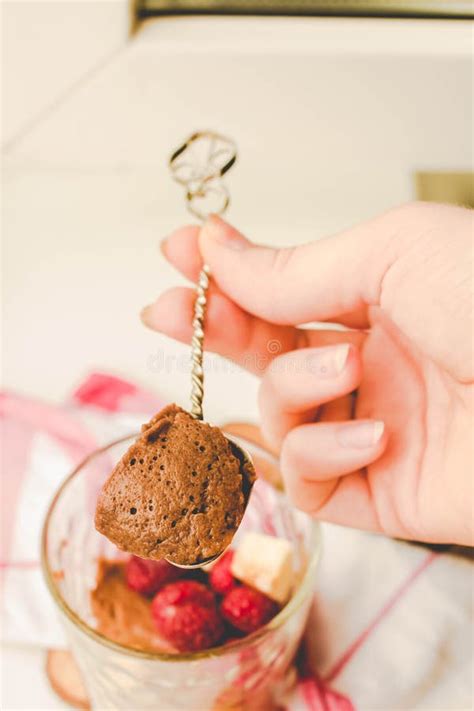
<point>65,678</point>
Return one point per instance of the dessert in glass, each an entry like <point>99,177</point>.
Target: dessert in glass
<point>113,613</point>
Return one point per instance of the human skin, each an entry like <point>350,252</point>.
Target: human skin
<point>397,456</point>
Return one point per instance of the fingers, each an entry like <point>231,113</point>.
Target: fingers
<point>250,341</point>
<point>312,282</point>
<point>346,501</point>
<point>295,385</point>
<point>321,466</point>
<point>181,249</point>
<point>322,451</point>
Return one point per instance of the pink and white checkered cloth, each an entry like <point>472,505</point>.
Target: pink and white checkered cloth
<point>391,623</point>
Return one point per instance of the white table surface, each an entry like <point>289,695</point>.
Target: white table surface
<point>331,117</point>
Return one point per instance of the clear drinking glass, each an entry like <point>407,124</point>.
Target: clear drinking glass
<point>246,674</point>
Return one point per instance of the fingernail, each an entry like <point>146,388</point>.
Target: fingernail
<point>145,315</point>
<point>329,361</point>
<point>359,435</point>
<point>219,231</point>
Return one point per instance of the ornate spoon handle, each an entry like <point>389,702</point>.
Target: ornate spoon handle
<point>199,164</point>
<point>197,371</point>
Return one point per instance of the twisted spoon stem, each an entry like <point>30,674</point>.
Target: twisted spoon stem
<point>202,178</point>
<point>197,341</point>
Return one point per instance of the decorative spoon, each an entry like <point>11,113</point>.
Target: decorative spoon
<point>199,165</point>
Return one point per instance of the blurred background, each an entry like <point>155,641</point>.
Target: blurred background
<point>336,118</point>
<point>339,109</point>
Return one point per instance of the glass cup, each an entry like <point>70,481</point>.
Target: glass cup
<point>249,673</point>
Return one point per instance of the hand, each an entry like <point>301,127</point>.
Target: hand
<point>397,457</point>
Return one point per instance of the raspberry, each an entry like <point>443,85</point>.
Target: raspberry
<point>220,577</point>
<point>247,609</point>
<point>147,576</point>
<point>185,613</point>
<point>187,591</point>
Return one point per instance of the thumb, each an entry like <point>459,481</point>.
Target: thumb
<point>311,282</point>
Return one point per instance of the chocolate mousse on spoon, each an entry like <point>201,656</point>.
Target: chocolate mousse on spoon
<point>182,488</point>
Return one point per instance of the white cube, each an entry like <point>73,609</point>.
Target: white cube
<point>265,563</point>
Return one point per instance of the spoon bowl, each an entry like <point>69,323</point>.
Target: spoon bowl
<point>246,465</point>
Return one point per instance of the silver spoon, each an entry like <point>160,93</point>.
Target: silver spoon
<point>199,164</point>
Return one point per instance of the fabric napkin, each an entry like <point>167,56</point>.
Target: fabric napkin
<point>391,622</point>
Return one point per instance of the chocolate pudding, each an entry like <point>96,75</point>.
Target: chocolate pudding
<point>123,615</point>
<point>178,492</point>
